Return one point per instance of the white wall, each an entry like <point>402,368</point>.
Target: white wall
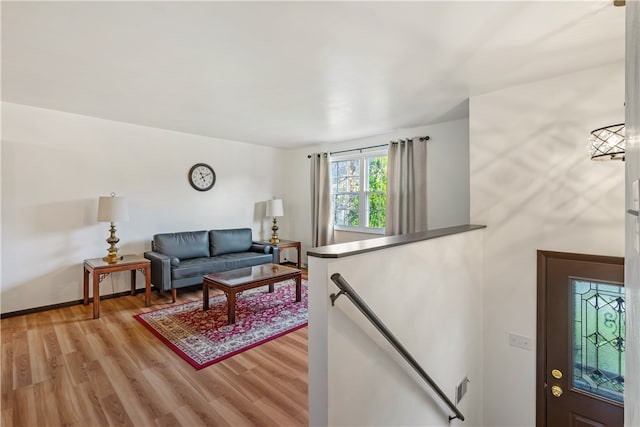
<point>0,201</point>
<point>352,236</point>
<point>447,177</point>
<point>54,167</point>
<point>534,186</point>
<point>428,294</point>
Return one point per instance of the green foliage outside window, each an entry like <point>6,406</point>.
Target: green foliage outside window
<point>377,191</point>
<point>346,207</point>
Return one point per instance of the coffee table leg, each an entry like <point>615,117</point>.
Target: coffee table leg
<point>231,310</point>
<point>271,287</point>
<point>205,296</point>
<point>298,288</point>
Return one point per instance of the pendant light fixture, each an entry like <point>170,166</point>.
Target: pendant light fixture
<point>607,143</point>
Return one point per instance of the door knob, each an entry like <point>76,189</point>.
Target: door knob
<point>556,390</point>
<point>557,374</point>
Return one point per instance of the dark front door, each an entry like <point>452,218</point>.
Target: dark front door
<point>581,331</point>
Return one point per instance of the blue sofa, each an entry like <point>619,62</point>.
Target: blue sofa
<point>184,258</point>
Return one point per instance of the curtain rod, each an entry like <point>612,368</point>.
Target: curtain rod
<point>420,138</point>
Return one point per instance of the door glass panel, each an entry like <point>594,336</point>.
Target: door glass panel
<point>598,338</point>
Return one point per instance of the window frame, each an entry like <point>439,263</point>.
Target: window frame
<point>363,192</point>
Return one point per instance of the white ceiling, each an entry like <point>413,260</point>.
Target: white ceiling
<point>289,74</point>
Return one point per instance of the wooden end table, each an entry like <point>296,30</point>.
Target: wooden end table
<point>285,244</point>
<point>100,269</point>
<point>234,281</point>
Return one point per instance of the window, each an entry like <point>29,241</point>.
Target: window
<point>359,191</point>
<point>599,338</point>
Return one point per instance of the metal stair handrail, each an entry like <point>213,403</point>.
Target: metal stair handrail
<point>346,289</point>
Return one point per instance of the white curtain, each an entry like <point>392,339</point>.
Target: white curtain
<point>321,207</point>
<point>406,187</point>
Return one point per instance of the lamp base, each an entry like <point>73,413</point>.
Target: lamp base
<point>112,259</point>
<point>112,256</point>
<point>274,232</point>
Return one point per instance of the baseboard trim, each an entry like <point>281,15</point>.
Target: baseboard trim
<point>66,304</point>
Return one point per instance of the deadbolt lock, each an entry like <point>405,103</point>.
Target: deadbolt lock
<point>556,374</point>
<point>556,390</point>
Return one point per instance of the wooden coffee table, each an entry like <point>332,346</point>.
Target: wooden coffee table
<point>234,281</point>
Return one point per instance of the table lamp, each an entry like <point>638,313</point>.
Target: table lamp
<point>112,209</point>
<point>274,210</point>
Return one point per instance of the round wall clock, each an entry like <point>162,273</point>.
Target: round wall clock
<point>202,177</point>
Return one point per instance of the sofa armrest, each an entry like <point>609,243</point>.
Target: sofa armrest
<point>267,249</point>
<point>276,254</point>
<point>261,248</point>
<point>160,269</point>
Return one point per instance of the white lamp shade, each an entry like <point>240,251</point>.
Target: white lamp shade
<point>112,209</point>
<point>274,208</point>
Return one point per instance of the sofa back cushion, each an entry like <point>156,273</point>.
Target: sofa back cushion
<point>229,241</point>
<point>183,245</point>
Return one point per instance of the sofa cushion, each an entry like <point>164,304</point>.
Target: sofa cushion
<point>244,259</point>
<point>256,247</point>
<point>229,241</point>
<point>199,267</point>
<point>183,245</point>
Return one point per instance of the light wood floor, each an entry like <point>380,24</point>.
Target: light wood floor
<point>61,367</point>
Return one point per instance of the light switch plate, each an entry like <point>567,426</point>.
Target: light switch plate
<point>520,341</point>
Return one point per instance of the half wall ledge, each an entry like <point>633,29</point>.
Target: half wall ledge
<point>341,250</point>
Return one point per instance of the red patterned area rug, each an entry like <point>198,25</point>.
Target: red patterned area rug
<point>203,338</point>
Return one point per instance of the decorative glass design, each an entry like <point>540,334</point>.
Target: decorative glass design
<point>599,338</point>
